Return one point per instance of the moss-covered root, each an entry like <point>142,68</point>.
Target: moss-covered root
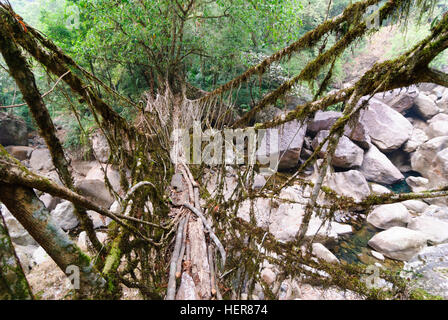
<point>13,283</point>
<point>32,214</point>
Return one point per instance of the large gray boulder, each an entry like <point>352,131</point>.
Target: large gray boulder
<point>418,137</point>
<point>376,167</point>
<point>13,130</point>
<point>436,230</point>
<point>288,147</point>
<point>436,212</point>
<point>438,126</point>
<point>64,215</point>
<point>431,161</point>
<point>398,243</point>
<point>387,128</point>
<point>428,270</point>
<point>389,215</point>
<point>349,184</point>
<point>321,252</point>
<point>96,191</point>
<point>323,120</point>
<point>97,173</point>
<point>400,100</point>
<point>415,206</point>
<point>41,160</point>
<point>346,155</point>
<point>100,146</point>
<point>426,106</point>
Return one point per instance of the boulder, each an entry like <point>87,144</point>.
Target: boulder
<point>288,146</point>
<point>389,215</point>
<point>398,243</point>
<point>349,184</point>
<point>387,128</point>
<point>100,146</point>
<point>428,268</point>
<point>417,138</point>
<point>377,255</point>
<point>267,114</point>
<point>436,212</point>
<point>415,206</point>
<point>323,120</point>
<point>358,134</point>
<point>321,252</point>
<point>20,152</point>
<point>401,160</point>
<point>346,155</point>
<point>436,230</point>
<point>41,160</point>
<point>13,130</point>
<point>376,167</point>
<point>64,215</point>
<point>425,106</point>
<point>417,184</point>
<point>431,161</point>
<point>49,201</point>
<point>96,173</point>
<point>379,189</point>
<point>438,126</point>
<point>400,100</point>
<point>96,191</point>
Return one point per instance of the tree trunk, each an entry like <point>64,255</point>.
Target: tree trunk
<point>13,283</point>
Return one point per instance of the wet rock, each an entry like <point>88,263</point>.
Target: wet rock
<point>436,230</point>
<point>387,128</point>
<point>378,168</point>
<point>398,243</point>
<point>346,155</point>
<point>13,130</point>
<point>389,215</point>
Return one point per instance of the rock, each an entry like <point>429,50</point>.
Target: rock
<point>359,134</point>
<point>417,184</point>
<point>84,243</point>
<point>347,154</point>
<point>49,201</point>
<point>435,229</point>
<point>64,215</point>
<point>40,256</point>
<point>268,275</point>
<point>20,152</point>
<point>378,168</point>
<point>401,160</point>
<point>262,209</point>
<point>438,126</point>
<point>387,128</point>
<point>350,184</point>
<point>290,140</point>
<point>429,270</point>
<point>415,206</point>
<point>398,243</point>
<point>13,130</point>
<point>96,191</point>
<point>400,100</point>
<point>323,253</point>
<point>377,255</point>
<point>417,138</point>
<point>18,234</point>
<point>379,189</point>
<point>267,114</point>
<point>96,173</point>
<point>323,120</point>
<point>41,160</point>
<point>389,215</point>
<point>431,161</point>
<point>100,146</point>
<point>425,106</point>
<point>259,182</point>
<point>436,212</point>
<point>98,220</point>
